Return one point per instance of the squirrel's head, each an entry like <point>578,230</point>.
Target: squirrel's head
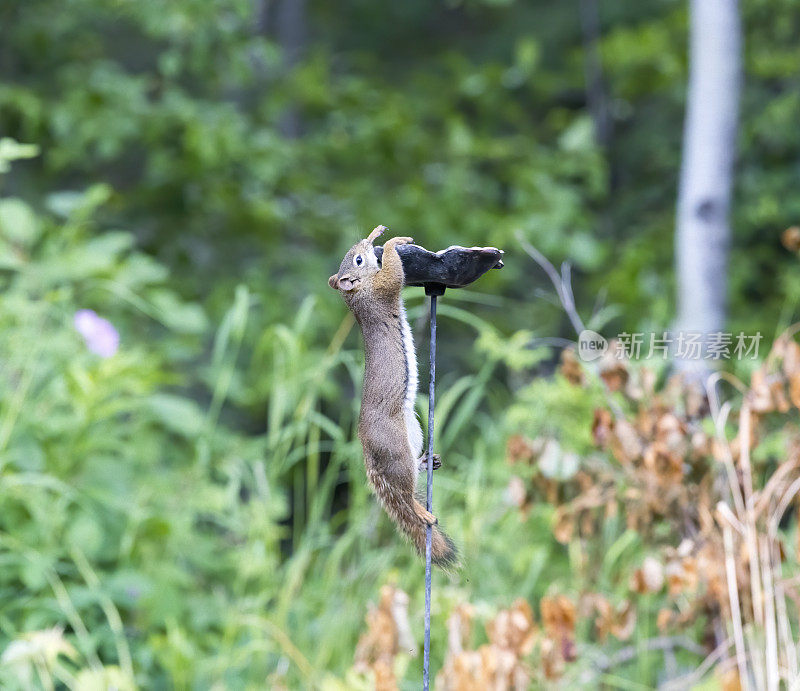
<point>358,265</point>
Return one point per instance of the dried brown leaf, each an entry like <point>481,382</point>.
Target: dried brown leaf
<point>518,448</point>
<point>760,396</point>
<point>602,427</point>
<point>384,676</point>
<point>617,621</point>
<point>565,525</point>
<point>665,465</point>
<point>794,389</point>
<point>664,619</point>
<point>558,619</point>
<point>388,632</point>
<point>682,576</point>
<point>790,238</point>
<point>614,374</point>
<point>513,629</point>
<point>496,666</point>
<point>552,662</point>
<point>729,680</point>
<point>649,578</point>
<point>791,358</point>
<point>626,444</point>
<point>571,367</point>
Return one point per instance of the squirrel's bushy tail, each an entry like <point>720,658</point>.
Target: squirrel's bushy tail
<point>404,509</point>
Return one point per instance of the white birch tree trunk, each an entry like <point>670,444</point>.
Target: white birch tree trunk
<point>709,143</point>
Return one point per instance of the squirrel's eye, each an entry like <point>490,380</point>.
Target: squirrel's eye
<point>358,260</point>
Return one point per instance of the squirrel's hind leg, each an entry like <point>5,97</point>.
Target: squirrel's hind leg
<point>425,516</point>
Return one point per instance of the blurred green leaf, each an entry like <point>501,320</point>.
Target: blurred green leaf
<point>18,223</point>
<point>177,414</point>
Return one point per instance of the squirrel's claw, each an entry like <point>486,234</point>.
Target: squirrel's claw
<point>427,517</point>
<point>423,461</point>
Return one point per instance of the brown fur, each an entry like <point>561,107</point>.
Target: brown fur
<point>373,295</point>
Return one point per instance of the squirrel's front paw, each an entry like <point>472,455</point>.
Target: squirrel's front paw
<point>399,241</point>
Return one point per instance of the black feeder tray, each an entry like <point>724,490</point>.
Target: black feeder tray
<point>454,267</point>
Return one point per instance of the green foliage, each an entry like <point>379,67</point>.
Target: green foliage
<point>100,463</point>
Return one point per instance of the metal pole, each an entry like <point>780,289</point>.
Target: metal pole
<point>429,505</point>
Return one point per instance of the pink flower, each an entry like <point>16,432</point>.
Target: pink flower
<point>99,334</point>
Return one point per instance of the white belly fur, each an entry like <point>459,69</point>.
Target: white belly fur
<point>413,428</point>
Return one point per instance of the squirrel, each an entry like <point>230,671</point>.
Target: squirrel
<point>388,428</point>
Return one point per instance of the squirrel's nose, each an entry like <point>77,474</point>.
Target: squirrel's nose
<point>347,282</point>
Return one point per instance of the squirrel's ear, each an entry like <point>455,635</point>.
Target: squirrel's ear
<point>377,231</point>
<point>333,282</point>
